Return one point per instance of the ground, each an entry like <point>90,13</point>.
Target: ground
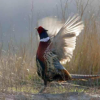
<point>63,96</point>
<point>64,91</point>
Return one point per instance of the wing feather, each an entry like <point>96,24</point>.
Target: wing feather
<point>52,24</point>
<point>63,35</point>
<point>65,41</point>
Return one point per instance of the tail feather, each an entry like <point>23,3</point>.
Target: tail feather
<point>78,76</point>
<point>67,74</point>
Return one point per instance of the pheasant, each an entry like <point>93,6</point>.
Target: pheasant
<point>57,42</point>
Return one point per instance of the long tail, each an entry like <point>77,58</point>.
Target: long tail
<point>69,76</point>
<point>78,76</point>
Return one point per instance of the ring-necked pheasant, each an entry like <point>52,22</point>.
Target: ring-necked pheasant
<point>57,42</point>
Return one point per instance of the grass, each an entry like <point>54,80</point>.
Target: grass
<point>18,69</point>
<point>50,89</point>
<point>86,55</point>
<point>55,88</point>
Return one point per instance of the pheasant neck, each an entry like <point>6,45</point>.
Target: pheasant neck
<point>45,39</point>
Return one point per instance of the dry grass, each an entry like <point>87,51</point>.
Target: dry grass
<point>86,58</point>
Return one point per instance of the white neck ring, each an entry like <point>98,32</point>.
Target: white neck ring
<point>44,39</point>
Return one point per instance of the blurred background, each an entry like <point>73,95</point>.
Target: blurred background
<point>19,41</point>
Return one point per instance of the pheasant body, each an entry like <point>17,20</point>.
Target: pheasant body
<point>49,67</point>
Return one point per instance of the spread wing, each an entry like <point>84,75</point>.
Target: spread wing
<point>63,35</point>
<point>65,41</point>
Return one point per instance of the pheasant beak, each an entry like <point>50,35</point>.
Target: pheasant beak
<point>36,28</point>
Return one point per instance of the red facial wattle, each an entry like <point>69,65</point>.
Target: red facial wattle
<point>40,29</point>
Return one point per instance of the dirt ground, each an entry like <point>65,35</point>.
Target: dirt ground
<point>63,96</point>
